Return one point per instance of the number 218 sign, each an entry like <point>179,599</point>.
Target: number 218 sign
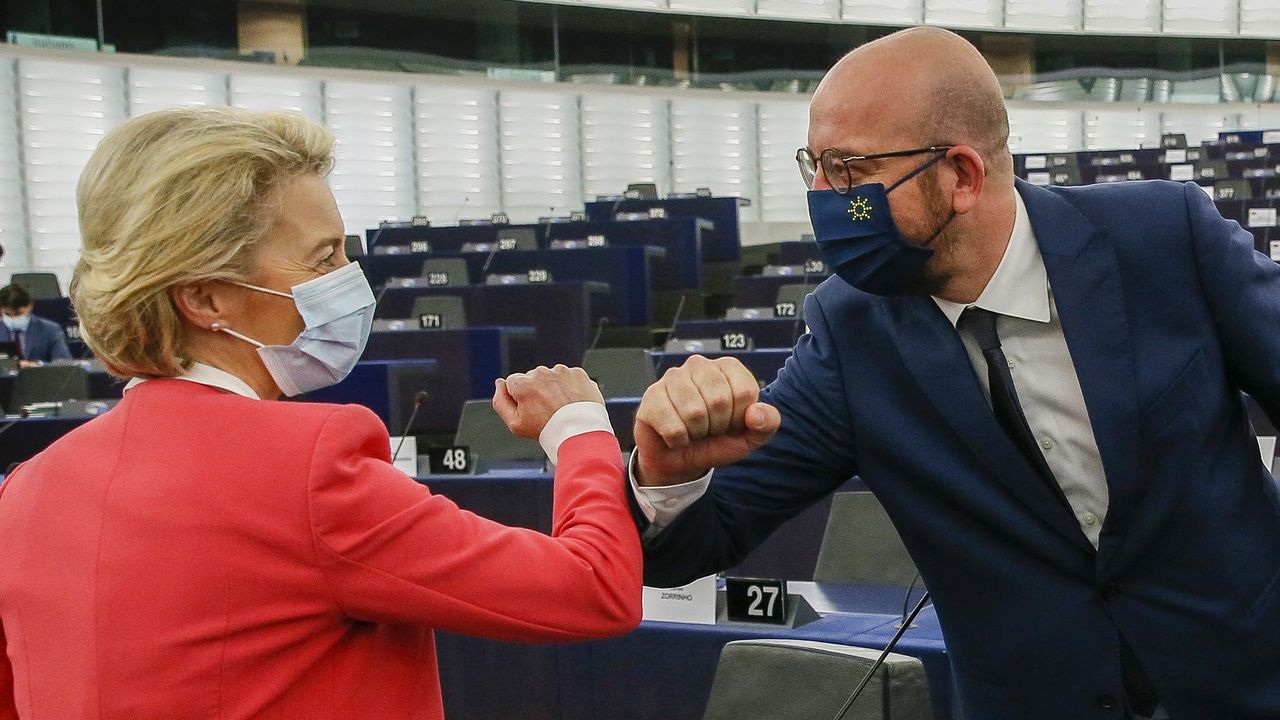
<point>756,600</point>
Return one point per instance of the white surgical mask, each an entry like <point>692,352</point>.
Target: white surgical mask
<point>337,309</point>
<point>19,323</point>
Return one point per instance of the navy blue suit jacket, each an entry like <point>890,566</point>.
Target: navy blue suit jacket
<point>43,341</point>
<point>1168,314</point>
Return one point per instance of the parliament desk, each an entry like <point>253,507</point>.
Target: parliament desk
<point>664,671</point>
<point>101,386</point>
<point>762,290</point>
<point>769,332</point>
<point>388,388</point>
<point>628,271</point>
<point>468,360</point>
<point>725,245</point>
<point>681,239</point>
<point>562,314</point>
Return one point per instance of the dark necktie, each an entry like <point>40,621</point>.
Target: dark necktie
<point>18,338</point>
<point>981,325</point>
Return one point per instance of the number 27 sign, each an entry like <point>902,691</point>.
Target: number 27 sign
<point>756,600</point>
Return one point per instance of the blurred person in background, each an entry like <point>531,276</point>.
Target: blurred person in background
<point>39,340</point>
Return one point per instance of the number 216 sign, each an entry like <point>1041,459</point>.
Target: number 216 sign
<point>756,600</point>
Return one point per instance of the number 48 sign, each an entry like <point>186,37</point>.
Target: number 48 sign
<point>455,460</point>
<point>756,600</point>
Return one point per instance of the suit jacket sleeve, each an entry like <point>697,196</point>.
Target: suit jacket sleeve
<point>58,343</point>
<point>393,552</point>
<point>810,456</point>
<point>1243,291</point>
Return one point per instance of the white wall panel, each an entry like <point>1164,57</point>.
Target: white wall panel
<point>1126,16</point>
<point>625,139</point>
<point>541,154</point>
<point>1045,130</point>
<point>1121,129</point>
<point>151,89</point>
<point>65,109</point>
<point>373,170</point>
<point>1051,15</point>
<point>726,7</point>
<point>783,130</point>
<point>713,145</point>
<point>1199,125</point>
<point>907,12</point>
<point>1201,17</point>
<point>1265,117</point>
<point>1260,18</point>
<point>457,144</point>
<point>13,220</point>
<point>964,13</point>
<point>807,9</point>
<point>263,92</point>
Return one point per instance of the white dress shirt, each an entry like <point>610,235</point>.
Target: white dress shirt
<point>1048,388</point>
<point>570,420</point>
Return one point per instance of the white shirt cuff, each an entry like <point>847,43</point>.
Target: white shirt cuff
<point>662,504</point>
<point>572,419</point>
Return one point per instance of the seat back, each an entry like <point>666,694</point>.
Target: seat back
<point>49,383</point>
<point>620,372</point>
<point>805,680</point>
<point>439,312</point>
<point>861,546</point>
<point>795,293</point>
<point>483,432</point>
<point>41,285</point>
<point>445,272</point>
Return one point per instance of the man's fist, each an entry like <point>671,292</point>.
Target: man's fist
<point>699,416</point>
<point>526,401</point>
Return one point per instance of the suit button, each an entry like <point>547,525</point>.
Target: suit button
<point>1106,702</point>
<point>1110,591</point>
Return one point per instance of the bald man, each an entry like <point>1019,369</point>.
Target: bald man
<point>1042,386</point>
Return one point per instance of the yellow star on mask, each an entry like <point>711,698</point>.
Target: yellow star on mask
<point>859,209</point>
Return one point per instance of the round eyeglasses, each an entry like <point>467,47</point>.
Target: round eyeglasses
<point>835,164</point>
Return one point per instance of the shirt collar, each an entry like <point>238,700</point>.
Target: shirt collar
<point>209,375</point>
<point>1020,286</point>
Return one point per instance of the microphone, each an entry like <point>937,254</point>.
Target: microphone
<point>418,400</point>
<point>675,319</point>
<point>458,215</point>
<point>492,251</point>
<point>604,320</point>
<point>866,679</point>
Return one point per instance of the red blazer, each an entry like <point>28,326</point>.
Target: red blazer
<point>197,554</point>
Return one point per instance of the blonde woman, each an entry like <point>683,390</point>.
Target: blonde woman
<point>203,551</point>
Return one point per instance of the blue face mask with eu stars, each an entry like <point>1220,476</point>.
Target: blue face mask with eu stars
<point>860,241</point>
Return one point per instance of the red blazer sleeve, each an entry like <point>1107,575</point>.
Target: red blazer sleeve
<point>393,552</point>
<point>8,702</point>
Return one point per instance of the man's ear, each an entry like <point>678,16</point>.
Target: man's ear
<point>201,304</point>
<point>970,175</point>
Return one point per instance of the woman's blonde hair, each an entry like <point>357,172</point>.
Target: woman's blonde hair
<point>175,197</point>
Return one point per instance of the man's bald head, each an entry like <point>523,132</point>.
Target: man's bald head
<point>921,86</point>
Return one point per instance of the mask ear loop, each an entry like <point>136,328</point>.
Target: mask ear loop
<point>216,327</point>
<point>937,159</point>
<point>260,289</point>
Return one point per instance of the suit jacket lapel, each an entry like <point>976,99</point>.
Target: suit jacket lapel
<point>1084,277</point>
<point>932,351</point>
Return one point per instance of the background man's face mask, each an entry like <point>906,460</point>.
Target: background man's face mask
<point>337,310</point>
<point>861,242</point>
